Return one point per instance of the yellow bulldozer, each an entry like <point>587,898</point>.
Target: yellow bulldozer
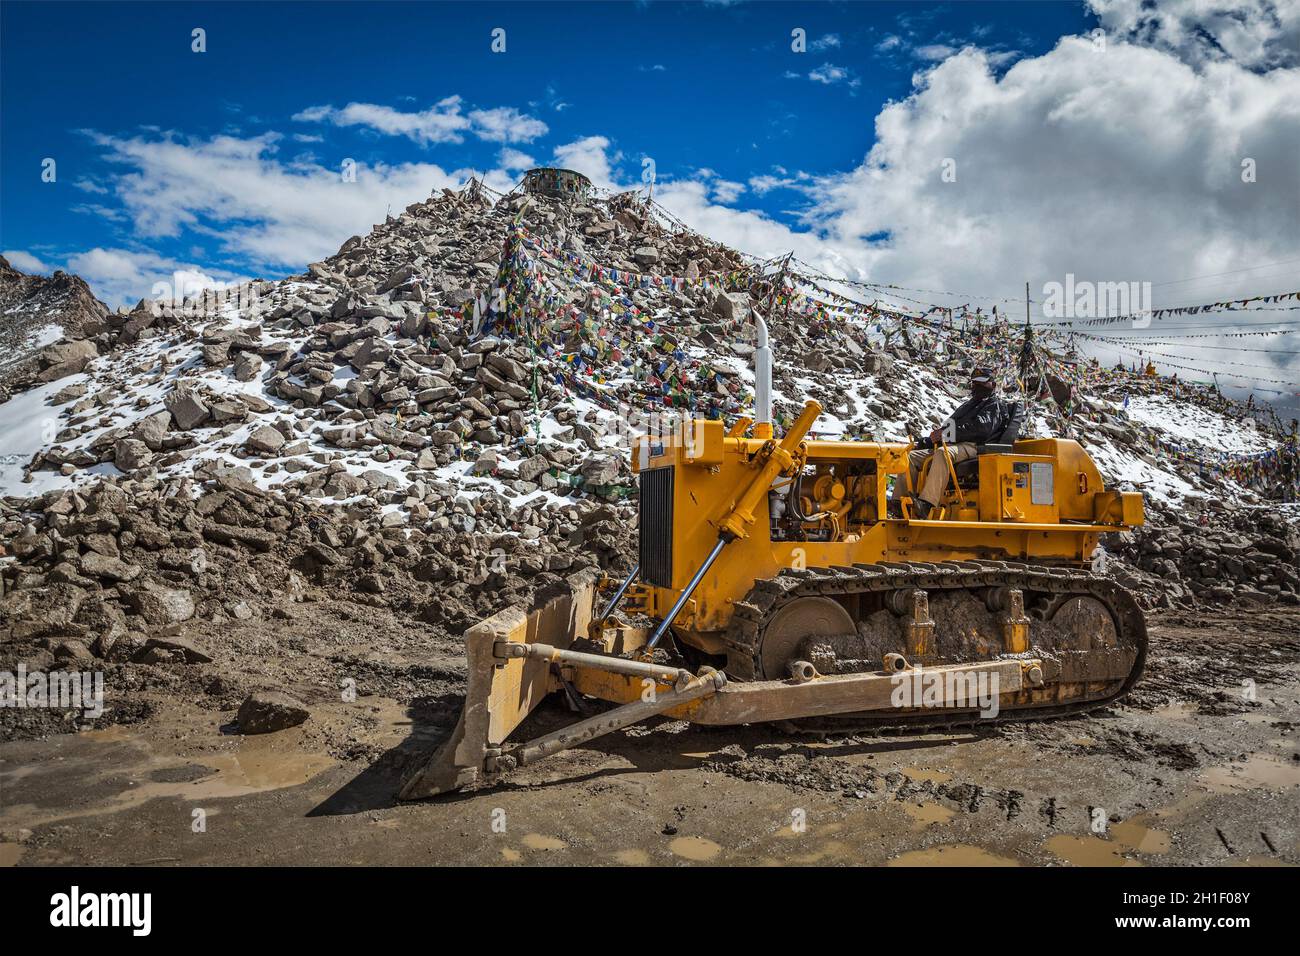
<point>774,586</point>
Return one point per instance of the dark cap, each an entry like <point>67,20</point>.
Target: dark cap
<point>982,376</point>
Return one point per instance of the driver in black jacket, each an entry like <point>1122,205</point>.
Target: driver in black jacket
<point>980,419</point>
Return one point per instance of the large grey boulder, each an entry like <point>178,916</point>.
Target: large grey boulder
<point>265,440</point>
<point>188,410</point>
<point>65,358</point>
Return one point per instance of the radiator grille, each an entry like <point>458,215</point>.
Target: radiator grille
<point>656,525</point>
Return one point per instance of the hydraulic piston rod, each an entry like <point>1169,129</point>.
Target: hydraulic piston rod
<point>685,596</point>
<point>615,665</point>
<point>618,595</point>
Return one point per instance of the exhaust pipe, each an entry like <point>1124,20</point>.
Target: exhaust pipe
<point>762,382</point>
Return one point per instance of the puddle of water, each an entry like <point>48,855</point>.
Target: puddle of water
<point>694,848</point>
<point>114,733</point>
<point>1136,835</point>
<point>255,765</point>
<point>927,814</point>
<point>936,776</point>
<point>632,857</point>
<point>1088,851</point>
<point>253,771</point>
<point>535,841</point>
<point>1133,835</point>
<point>1257,772</point>
<point>951,854</point>
<point>1176,710</point>
<point>11,853</point>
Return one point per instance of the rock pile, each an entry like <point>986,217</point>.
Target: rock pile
<point>111,575</point>
<point>1212,555</point>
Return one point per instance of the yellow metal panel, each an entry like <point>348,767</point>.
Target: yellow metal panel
<point>1119,508</point>
<point>702,440</point>
<point>1009,485</point>
<point>1077,477</point>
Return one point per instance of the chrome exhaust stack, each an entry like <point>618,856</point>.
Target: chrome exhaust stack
<point>762,382</point>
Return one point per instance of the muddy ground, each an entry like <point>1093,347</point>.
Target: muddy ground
<point>1188,771</point>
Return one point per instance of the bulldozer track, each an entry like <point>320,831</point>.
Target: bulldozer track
<point>743,638</point>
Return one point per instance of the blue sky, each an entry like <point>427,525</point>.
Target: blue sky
<point>695,86</point>
<point>1104,140</point>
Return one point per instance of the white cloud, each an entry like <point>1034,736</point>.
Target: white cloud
<point>90,186</point>
<point>727,191</point>
<point>1123,165</point>
<point>590,157</point>
<point>721,190</point>
<point>830,74</point>
<point>935,51</point>
<point>100,210</point>
<point>271,212</point>
<point>1254,34</point>
<point>1001,58</point>
<point>765,183</point>
<point>124,276</point>
<point>513,160</point>
<point>826,42</point>
<point>747,230</point>
<point>444,122</point>
<point>505,124</point>
<point>25,261</point>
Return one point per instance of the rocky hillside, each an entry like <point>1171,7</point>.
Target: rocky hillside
<point>437,419</point>
<point>37,312</point>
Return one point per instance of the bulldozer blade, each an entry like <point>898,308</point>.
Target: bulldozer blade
<point>500,693</point>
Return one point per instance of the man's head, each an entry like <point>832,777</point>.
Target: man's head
<point>982,382</point>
